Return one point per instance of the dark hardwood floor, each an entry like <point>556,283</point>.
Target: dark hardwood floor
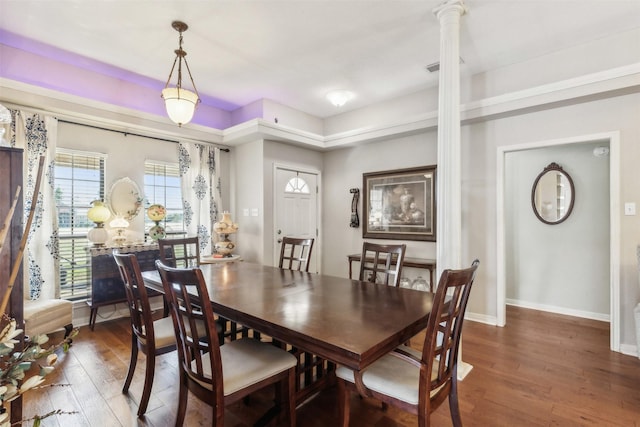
<point>540,370</point>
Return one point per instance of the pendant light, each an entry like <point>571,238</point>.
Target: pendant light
<point>180,103</point>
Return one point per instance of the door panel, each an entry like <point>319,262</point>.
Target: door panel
<point>296,210</point>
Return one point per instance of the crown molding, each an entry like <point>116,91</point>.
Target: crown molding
<point>614,82</point>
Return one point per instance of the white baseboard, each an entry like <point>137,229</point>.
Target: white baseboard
<point>560,310</point>
<point>81,311</point>
<point>481,318</point>
<point>630,350</point>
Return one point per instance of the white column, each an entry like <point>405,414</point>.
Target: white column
<point>449,191</point>
<point>449,211</point>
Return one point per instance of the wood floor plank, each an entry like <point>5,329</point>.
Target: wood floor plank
<point>541,369</point>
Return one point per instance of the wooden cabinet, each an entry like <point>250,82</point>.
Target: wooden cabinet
<point>106,285</point>
<point>10,179</point>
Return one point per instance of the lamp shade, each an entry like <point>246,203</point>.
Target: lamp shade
<point>99,213</point>
<point>180,104</point>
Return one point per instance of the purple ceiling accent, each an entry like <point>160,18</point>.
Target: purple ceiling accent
<point>38,64</point>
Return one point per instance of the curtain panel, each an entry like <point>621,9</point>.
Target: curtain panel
<point>201,191</point>
<point>36,134</point>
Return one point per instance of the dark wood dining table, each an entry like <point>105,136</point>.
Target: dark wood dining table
<point>345,321</point>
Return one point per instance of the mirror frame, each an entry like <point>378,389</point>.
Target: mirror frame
<point>134,191</point>
<point>553,167</point>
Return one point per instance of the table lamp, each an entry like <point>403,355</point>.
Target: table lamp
<point>98,214</point>
<point>223,228</point>
<point>157,213</point>
<point>119,224</point>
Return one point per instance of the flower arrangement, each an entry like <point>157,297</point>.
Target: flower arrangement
<point>15,366</point>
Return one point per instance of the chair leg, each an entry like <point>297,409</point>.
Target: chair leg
<point>132,364</point>
<point>182,402</point>
<point>289,393</point>
<point>344,401</point>
<point>67,329</point>
<point>453,403</point>
<point>148,383</point>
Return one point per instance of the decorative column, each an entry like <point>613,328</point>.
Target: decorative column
<point>449,191</point>
<point>449,211</point>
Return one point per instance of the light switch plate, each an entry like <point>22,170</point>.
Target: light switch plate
<point>630,208</point>
<point>254,212</point>
<point>245,212</point>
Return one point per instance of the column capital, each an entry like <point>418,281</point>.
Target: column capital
<point>450,6</point>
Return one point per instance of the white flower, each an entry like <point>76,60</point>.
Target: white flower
<point>31,382</point>
<point>52,359</point>
<point>4,420</point>
<point>8,333</point>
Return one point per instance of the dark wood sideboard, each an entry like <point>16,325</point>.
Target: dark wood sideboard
<point>106,285</point>
<point>10,179</point>
<point>425,263</point>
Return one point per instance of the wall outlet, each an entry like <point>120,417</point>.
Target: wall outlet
<point>254,212</point>
<point>630,208</point>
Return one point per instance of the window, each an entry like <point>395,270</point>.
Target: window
<point>297,185</point>
<point>162,186</point>
<point>78,180</point>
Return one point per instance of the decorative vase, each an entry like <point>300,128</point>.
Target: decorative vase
<point>223,228</point>
<point>157,213</point>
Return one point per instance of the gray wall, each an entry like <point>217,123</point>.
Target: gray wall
<point>562,267</point>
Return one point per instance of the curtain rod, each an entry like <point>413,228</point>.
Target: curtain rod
<point>226,150</point>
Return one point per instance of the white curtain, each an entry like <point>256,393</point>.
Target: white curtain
<point>201,191</point>
<point>36,134</point>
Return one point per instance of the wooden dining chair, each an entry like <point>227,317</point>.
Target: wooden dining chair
<point>295,253</point>
<point>151,337</point>
<point>220,375</point>
<point>414,381</point>
<point>381,263</point>
<point>182,252</point>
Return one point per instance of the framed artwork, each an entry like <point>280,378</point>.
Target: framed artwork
<point>400,204</point>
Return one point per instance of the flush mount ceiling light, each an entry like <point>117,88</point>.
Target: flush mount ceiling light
<point>180,103</point>
<point>340,97</point>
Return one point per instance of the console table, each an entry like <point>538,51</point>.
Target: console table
<point>106,285</point>
<point>425,263</point>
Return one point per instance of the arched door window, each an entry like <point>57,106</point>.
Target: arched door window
<point>297,185</point>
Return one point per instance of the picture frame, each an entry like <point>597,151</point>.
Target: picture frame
<point>400,204</point>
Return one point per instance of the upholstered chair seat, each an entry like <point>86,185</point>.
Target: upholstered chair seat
<point>44,316</point>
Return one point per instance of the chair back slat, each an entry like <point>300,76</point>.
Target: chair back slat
<point>295,253</point>
<point>381,263</point>
<point>137,297</point>
<point>180,253</point>
<point>444,328</point>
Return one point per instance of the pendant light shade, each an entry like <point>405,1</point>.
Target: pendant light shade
<point>179,102</point>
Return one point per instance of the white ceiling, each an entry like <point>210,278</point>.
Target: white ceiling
<point>295,51</point>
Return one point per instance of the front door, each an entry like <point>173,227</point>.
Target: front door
<point>296,210</point>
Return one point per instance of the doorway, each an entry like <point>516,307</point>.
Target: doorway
<point>503,250</point>
<point>296,209</point>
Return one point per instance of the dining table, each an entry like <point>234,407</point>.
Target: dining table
<point>344,321</point>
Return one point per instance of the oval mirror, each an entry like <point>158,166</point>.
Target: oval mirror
<point>125,199</point>
<point>552,195</point>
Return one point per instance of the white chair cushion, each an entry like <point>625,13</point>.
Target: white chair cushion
<point>246,362</point>
<point>163,332</point>
<point>44,316</point>
<point>391,376</point>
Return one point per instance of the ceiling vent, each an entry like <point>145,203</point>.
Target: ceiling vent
<point>432,68</point>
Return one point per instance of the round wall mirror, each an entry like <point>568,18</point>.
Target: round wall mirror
<point>552,195</point>
<point>125,199</point>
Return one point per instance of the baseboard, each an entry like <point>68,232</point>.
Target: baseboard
<point>630,350</point>
<point>560,310</point>
<point>481,318</point>
<point>81,311</point>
